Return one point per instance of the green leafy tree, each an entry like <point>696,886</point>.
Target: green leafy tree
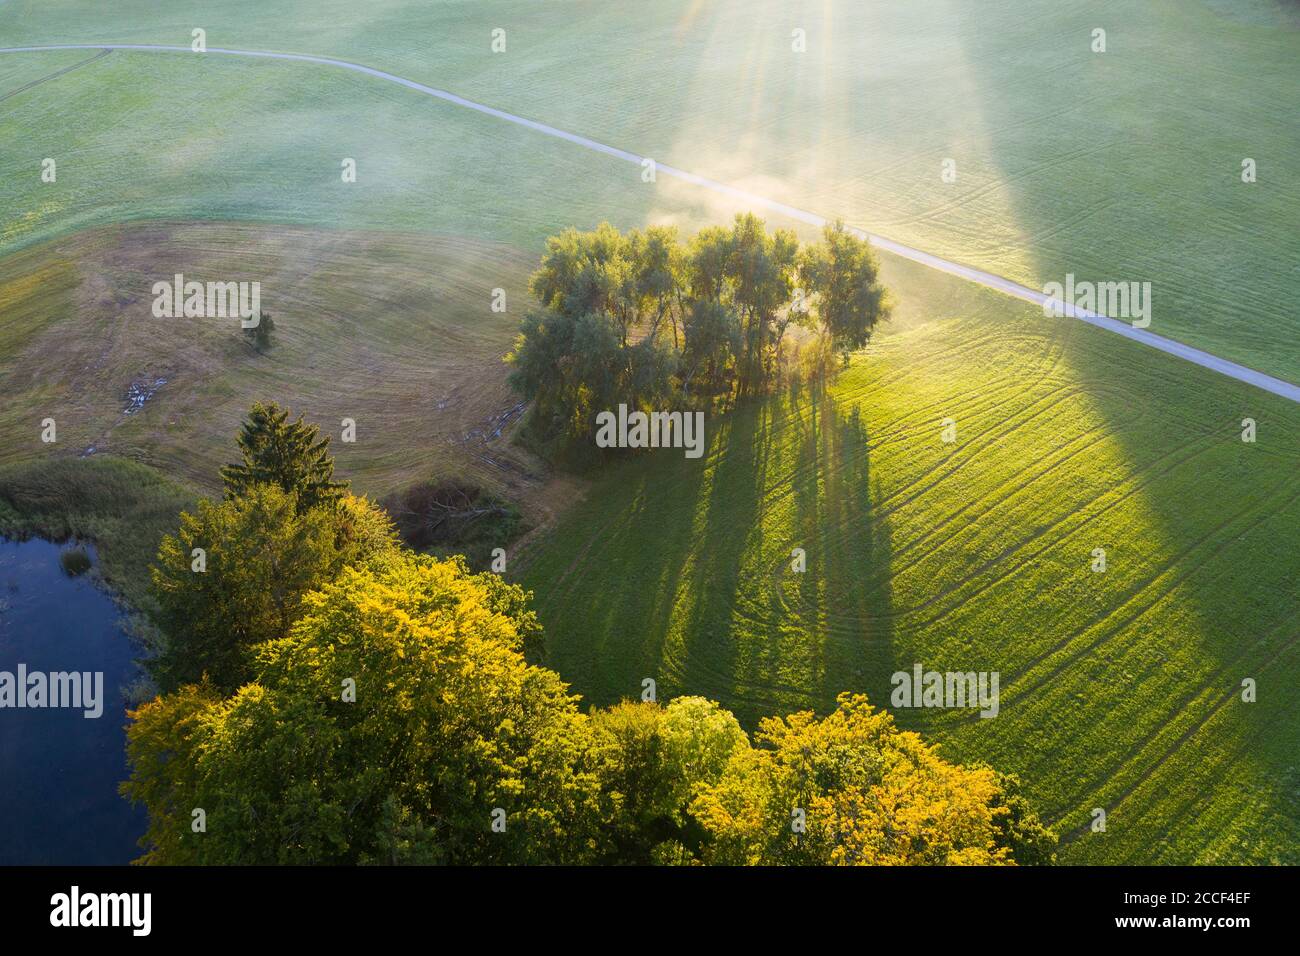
<point>728,297</point>
<point>712,338</point>
<point>572,367</point>
<point>637,788</point>
<point>650,762</point>
<point>850,788</point>
<point>590,273</point>
<point>657,262</point>
<point>235,573</point>
<point>569,367</point>
<point>290,454</point>
<point>842,271</point>
<point>761,268</point>
<point>1019,828</point>
<point>706,267</point>
<point>397,722</point>
<point>701,735</point>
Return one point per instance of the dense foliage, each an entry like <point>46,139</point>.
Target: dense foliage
<point>850,789</point>
<point>640,318</point>
<point>446,721</point>
<point>333,698</point>
<point>235,573</point>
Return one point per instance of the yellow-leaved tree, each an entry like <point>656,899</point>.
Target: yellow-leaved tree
<point>851,788</point>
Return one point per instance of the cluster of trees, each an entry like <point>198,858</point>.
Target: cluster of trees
<point>330,697</point>
<point>235,573</point>
<point>644,319</point>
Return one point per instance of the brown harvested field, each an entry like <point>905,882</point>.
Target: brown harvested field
<point>394,331</point>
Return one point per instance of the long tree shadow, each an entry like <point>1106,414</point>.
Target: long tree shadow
<point>682,570</point>
<point>781,617</point>
<point>606,582</point>
<point>1124,691</point>
<point>851,548</point>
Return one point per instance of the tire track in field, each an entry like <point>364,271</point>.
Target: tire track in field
<point>1044,467</point>
<point>1182,802</point>
<point>1207,693</point>
<point>1129,789</point>
<point>1175,566</point>
<point>55,75</point>
<point>927,215</point>
<point>780,600</point>
<point>1269,383</point>
<point>960,458</point>
<point>783,488</point>
<point>987,392</point>
<point>1139,480</point>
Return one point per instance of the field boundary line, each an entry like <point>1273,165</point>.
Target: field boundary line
<point>1181,350</point>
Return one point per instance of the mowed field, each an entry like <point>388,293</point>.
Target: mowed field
<point>1115,166</point>
<point>1119,689</point>
<point>392,331</point>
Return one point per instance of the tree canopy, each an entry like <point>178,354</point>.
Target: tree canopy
<point>850,788</point>
<point>399,722</point>
<point>387,726</point>
<point>643,319</point>
<point>330,697</point>
<point>235,572</point>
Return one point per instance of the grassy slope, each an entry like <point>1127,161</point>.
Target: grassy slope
<point>1122,166</point>
<point>1118,688</point>
<point>392,329</point>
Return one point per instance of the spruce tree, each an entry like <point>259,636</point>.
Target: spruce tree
<point>292,455</point>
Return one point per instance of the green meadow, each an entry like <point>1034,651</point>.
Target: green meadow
<point>1121,166</point>
<point>1120,688</point>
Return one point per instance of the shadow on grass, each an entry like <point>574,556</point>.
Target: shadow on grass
<point>1136,707</point>
<point>850,547</point>
<point>681,570</point>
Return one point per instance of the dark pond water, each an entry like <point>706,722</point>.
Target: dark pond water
<point>59,771</point>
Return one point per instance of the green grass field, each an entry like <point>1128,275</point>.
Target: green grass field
<point>1119,166</point>
<point>1119,688</point>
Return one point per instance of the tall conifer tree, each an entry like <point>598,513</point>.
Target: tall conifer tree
<point>292,455</point>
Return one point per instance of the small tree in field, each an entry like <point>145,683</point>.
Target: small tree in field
<point>260,335</point>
